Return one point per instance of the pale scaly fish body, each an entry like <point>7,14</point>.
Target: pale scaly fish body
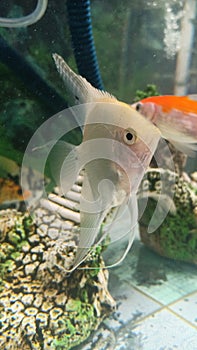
<point>175,116</point>
<point>118,144</point>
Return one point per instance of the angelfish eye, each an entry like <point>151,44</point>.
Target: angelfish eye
<point>129,136</point>
<point>138,106</point>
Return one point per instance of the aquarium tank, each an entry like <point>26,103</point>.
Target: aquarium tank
<point>98,175</point>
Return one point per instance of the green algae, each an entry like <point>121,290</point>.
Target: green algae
<point>6,250</point>
<point>16,233</point>
<point>13,237</point>
<point>77,327</point>
<point>7,267</point>
<point>176,238</point>
<point>74,304</point>
<point>81,317</point>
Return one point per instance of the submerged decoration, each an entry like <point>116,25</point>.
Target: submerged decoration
<point>176,237</point>
<point>42,307</point>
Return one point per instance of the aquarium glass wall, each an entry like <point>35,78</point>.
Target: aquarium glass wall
<point>98,178</point>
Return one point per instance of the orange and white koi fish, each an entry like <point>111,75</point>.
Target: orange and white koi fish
<point>175,116</point>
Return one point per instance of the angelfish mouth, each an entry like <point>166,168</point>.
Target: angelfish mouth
<point>130,178</point>
<point>140,161</point>
<point>144,159</point>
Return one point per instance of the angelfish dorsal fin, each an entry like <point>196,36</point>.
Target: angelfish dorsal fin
<point>83,91</point>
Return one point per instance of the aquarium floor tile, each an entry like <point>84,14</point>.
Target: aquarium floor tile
<point>162,330</point>
<point>156,305</point>
<point>187,308</point>
<point>171,290</point>
<point>132,305</point>
<point>165,331</point>
<point>160,278</point>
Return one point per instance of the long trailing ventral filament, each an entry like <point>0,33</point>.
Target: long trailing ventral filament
<point>26,20</point>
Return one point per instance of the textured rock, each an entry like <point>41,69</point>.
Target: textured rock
<point>41,306</point>
<point>176,237</point>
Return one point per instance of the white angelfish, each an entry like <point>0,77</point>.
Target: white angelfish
<point>118,144</point>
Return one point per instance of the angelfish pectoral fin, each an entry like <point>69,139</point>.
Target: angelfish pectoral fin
<point>91,217</point>
<point>165,205</point>
<point>87,237</point>
<point>164,197</point>
<point>123,228</point>
<point>64,165</point>
<point>122,231</point>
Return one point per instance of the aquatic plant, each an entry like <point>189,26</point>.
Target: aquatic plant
<point>150,90</point>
